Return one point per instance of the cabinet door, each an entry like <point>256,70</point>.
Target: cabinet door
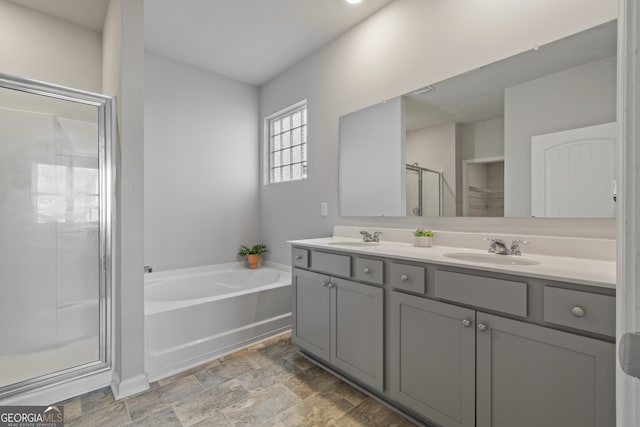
<point>433,359</point>
<point>357,326</point>
<point>531,376</point>
<point>311,309</point>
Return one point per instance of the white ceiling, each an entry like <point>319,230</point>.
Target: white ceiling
<point>86,13</point>
<point>248,40</point>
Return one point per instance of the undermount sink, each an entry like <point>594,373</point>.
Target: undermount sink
<point>354,243</point>
<point>491,258</point>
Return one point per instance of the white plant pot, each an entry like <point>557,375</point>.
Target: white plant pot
<point>423,241</point>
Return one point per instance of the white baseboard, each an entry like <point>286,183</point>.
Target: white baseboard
<point>128,387</point>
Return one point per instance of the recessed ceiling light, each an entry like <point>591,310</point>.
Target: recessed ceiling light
<point>353,1</point>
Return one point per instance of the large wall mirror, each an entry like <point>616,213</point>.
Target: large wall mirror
<point>532,135</point>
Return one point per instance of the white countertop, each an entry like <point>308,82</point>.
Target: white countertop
<point>584,271</point>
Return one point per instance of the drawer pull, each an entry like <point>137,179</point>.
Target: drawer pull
<point>577,311</point>
<point>404,278</point>
<point>325,284</point>
<point>482,327</point>
<point>466,323</point>
<point>332,285</point>
<point>298,257</point>
<point>366,270</point>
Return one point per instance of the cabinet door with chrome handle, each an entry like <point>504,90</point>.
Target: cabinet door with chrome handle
<point>433,359</point>
<point>311,312</point>
<point>522,367</point>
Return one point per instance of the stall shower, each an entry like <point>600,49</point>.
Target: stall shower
<point>424,191</point>
<point>56,203</point>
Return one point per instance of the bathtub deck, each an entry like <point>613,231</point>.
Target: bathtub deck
<point>266,384</point>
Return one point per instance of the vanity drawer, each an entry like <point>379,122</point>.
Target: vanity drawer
<point>408,277</point>
<point>580,310</point>
<point>334,264</point>
<point>501,295</point>
<point>300,257</point>
<point>369,270</point>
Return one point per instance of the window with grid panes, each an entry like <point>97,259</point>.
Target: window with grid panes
<point>288,145</point>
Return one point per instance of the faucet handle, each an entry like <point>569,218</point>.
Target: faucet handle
<point>376,236</point>
<point>492,239</point>
<point>515,246</point>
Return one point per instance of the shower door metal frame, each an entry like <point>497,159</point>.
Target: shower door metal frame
<point>106,109</point>
<point>420,170</point>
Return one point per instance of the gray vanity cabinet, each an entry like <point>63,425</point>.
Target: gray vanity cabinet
<point>341,322</point>
<point>543,357</point>
<point>531,376</point>
<point>357,331</point>
<point>311,329</point>
<point>433,359</point>
<point>461,367</point>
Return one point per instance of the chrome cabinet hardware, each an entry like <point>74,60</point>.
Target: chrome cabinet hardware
<point>482,327</point>
<point>404,278</point>
<point>578,311</point>
<point>466,323</point>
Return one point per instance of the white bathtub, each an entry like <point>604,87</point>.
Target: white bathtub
<point>197,314</point>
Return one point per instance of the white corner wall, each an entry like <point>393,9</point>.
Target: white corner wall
<point>201,169</point>
<point>406,45</point>
<point>123,77</point>
<point>40,47</point>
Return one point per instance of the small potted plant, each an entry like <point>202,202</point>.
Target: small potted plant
<point>253,253</point>
<point>423,238</point>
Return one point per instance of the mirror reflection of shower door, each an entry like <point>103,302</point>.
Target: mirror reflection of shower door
<point>55,204</point>
<point>423,191</point>
<point>431,193</point>
<point>413,192</point>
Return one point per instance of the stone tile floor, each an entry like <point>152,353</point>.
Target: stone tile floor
<point>267,384</point>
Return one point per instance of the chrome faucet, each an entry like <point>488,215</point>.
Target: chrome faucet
<point>368,237</point>
<point>498,247</point>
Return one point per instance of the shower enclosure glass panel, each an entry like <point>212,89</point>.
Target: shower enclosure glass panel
<point>55,229</point>
<point>423,191</point>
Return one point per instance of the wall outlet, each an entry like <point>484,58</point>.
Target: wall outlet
<point>324,209</point>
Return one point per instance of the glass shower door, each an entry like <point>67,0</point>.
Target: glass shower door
<point>55,230</point>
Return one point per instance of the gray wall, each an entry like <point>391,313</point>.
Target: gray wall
<point>404,46</point>
<point>373,182</point>
<point>578,97</point>
<point>41,47</point>
<point>435,148</point>
<point>200,167</point>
